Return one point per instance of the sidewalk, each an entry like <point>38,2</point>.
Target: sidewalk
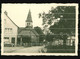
<point>11,49</point>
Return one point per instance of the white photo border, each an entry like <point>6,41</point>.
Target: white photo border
<point>47,54</point>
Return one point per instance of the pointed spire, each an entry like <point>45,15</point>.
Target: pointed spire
<point>29,18</point>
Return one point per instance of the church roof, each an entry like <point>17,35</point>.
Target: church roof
<point>29,18</point>
<point>26,31</point>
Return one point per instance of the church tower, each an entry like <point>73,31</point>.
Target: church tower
<point>29,20</point>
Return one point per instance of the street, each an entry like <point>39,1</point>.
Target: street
<point>33,49</point>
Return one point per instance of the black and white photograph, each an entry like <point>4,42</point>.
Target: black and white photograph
<point>39,29</point>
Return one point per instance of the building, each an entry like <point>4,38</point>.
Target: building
<point>70,41</point>
<point>27,34</point>
<point>57,42</point>
<point>19,36</point>
<point>10,30</point>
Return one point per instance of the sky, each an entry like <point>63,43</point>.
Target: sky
<point>18,12</point>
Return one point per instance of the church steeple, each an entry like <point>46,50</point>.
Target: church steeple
<point>29,20</point>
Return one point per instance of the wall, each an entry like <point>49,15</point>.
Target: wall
<point>35,39</point>
<point>8,24</point>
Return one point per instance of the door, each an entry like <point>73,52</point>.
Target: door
<point>18,41</point>
<point>13,40</point>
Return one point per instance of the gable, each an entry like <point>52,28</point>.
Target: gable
<point>9,26</point>
<point>8,22</point>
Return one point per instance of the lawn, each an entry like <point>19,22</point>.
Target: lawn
<point>60,49</point>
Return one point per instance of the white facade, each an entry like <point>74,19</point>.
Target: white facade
<point>70,41</point>
<point>10,30</point>
<point>57,42</point>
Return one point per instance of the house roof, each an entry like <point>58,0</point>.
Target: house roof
<point>9,18</point>
<point>29,18</point>
<point>26,31</point>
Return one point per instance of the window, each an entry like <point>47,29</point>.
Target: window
<point>8,30</point>
<point>5,28</point>
<point>28,24</point>
<point>6,37</point>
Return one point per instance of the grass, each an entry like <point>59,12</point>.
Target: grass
<point>60,49</point>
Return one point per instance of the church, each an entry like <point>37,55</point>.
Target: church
<point>19,36</point>
<point>28,34</point>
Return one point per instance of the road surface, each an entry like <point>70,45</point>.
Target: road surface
<point>34,49</point>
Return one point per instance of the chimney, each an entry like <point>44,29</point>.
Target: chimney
<point>5,12</point>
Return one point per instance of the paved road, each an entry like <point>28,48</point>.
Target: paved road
<point>34,49</point>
